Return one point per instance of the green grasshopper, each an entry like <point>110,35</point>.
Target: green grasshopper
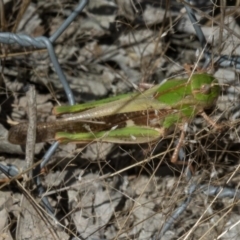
<point>131,118</point>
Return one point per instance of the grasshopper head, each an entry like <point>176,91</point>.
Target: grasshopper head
<point>205,89</point>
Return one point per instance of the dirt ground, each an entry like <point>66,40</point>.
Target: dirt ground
<point>113,191</point>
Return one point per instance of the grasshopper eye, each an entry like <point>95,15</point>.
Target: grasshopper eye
<point>205,89</point>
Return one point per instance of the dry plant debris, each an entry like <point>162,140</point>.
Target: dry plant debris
<point>109,49</point>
